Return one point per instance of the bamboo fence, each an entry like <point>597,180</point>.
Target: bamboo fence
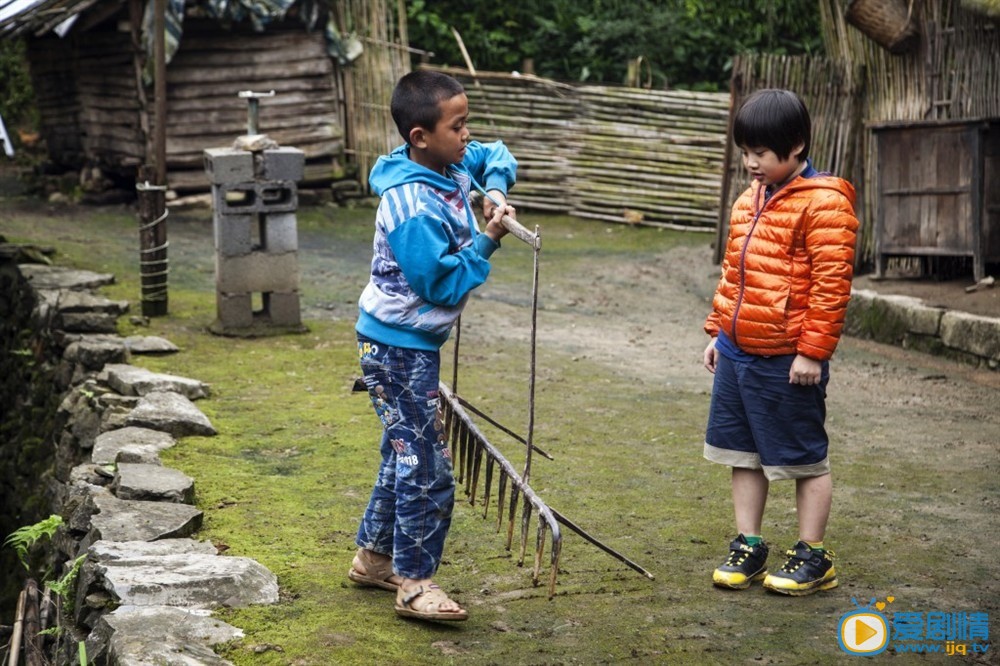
<point>953,74</point>
<point>369,80</point>
<point>829,89</point>
<point>618,154</point>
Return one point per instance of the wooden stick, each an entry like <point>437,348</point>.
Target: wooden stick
<point>15,639</point>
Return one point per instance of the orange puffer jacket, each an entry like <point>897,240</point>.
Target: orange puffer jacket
<point>786,276</point>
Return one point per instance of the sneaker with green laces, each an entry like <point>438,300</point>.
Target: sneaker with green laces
<point>744,565</point>
<point>806,571</point>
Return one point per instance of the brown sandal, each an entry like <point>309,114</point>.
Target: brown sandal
<point>423,603</point>
<point>377,574</point>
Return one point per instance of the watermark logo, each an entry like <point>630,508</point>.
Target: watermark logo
<point>866,631</point>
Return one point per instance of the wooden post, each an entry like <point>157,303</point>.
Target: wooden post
<point>33,645</point>
<point>160,90</point>
<point>153,266</point>
<point>152,184</point>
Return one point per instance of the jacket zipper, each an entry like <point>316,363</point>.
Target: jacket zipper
<point>743,266</point>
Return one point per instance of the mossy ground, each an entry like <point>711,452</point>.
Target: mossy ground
<point>287,478</point>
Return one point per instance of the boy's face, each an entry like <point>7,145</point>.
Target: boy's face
<point>445,144</point>
<point>767,168</point>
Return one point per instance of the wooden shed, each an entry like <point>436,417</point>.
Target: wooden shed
<point>97,108</point>
<point>900,71</point>
<point>938,192</point>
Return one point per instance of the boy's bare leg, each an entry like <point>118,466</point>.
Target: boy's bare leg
<point>749,498</point>
<point>813,497</point>
<point>449,606</point>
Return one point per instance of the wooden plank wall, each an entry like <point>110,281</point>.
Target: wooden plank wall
<point>94,109</point>
<point>213,65</point>
<point>606,152</point>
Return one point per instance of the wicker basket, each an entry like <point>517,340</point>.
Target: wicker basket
<point>891,23</point>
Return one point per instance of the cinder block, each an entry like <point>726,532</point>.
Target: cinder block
<point>233,234</point>
<point>283,164</point>
<point>257,272</point>
<point>270,196</point>
<point>280,233</point>
<point>282,308</point>
<point>228,165</point>
<point>234,310</point>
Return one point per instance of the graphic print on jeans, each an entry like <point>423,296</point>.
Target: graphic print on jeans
<point>410,509</point>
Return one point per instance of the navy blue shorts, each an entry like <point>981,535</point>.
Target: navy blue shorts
<point>757,420</point>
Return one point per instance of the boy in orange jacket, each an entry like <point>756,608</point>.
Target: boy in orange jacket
<point>776,318</point>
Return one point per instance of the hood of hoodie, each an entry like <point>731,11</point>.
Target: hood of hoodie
<point>397,168</point>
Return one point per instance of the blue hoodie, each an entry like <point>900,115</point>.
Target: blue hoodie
<point>428,251</point>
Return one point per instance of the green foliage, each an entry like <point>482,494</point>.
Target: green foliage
<point>64,586</point>
<point>16,92</point>
<point>25,537</point>
<point>689,43</point>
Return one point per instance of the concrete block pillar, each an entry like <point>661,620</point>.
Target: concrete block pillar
<point>254,200</point>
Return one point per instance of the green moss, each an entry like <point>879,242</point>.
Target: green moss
<point>287,478</point>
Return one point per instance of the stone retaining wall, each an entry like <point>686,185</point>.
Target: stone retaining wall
<point>145,589</point>
<point>908,322</point>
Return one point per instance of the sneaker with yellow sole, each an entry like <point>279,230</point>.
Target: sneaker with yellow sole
<point>744,565</point>
<point>806,571</point>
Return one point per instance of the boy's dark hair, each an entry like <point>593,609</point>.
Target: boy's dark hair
<point>774,119</point>
<point>417,97</point>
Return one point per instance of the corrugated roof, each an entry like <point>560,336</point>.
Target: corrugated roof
<point>37,17</point>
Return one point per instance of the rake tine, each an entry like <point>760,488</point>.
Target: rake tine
<point>501,494</point>
<point>556,551</point>
<point>456,447</point>
<point>539,551</point>
<point>514,488</point>
<point>470,445</point>
<point>477,463</point>
<point>489,483</point>
<point>525,526</point>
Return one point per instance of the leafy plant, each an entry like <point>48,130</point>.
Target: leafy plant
<point>25,537</point>
<point>17,101</point>
<point>64,586</point>
<point>688,43</point>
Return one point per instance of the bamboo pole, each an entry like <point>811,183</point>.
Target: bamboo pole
<point>15,639</point>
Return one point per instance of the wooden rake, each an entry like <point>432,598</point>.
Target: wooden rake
<point>469,447</point>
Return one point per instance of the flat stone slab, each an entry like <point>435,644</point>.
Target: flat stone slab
<point>131,444</point>
<point>137,520</point>
<point>96,351</point>
<point>150,344</point>
<point>140,481</point>
<point>133,551</point>
<point>170,412</point>
<point>146,635</point>
<point>130,380</point>
<point>56,277</point>
<point>84,301</point>
<point>141,574</point>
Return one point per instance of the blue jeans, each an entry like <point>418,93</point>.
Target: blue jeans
<point>410,509</point>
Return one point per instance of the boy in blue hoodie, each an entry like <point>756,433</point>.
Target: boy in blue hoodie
<point>428,256</point>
